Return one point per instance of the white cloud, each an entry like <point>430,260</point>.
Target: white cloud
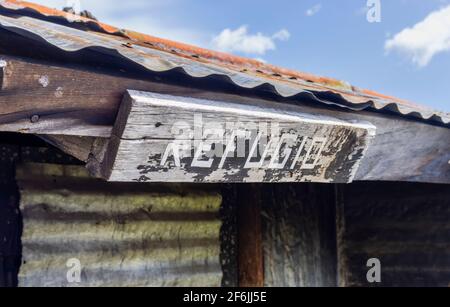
<point>425,39</point>
<point>314,10</point>
<point>240,40</point>
<point>282,35</point>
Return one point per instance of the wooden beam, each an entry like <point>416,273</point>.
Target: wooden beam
<point>38,97</point>
<point>162,138</point>
<point>250,243</point>
<point>79,147</point>
<point>406,151</point>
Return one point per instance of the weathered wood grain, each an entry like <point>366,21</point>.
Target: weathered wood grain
<point>299,235</point>
<point>39,97</point>
<point>407,151</point>
<point>77,146</point>
<point>250,244</point>
<point>42,99</point>
<point>161,138</point>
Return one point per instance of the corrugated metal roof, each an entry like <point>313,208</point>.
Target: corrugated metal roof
<point>122,236</point>
<point>160,55</point>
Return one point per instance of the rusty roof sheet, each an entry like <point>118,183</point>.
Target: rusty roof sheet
<point>158,55</point>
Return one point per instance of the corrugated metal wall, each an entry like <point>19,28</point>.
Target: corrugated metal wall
<point>15,149</point>
<point>405,226</point>
<point>154,235</point>
<point>314,232</point>
<point>122,234</point>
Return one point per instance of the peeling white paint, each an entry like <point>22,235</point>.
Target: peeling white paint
<point>59,93</point>
<point>320,149</point>
<point>44,81</point>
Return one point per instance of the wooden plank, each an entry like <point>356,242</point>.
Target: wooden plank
<point>299,233</point>
<point>250,243</point>
<point>79,147</point>
<point>162,138</point>
<point>41,99</point>
<point>38,97</point>
<point>407,151</point>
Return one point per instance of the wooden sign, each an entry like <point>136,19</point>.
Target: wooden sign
<point>161,138</point>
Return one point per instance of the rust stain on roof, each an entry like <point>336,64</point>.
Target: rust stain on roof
<point>228,59</point>
<point>182,48</point>
<point>237,64</point>
<point>17,4</point>
<point>186,49</point>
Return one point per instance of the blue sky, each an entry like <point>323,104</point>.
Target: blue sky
<point>406,55</point>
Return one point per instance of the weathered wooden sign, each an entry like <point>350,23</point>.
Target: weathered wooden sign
<point>161,138</point>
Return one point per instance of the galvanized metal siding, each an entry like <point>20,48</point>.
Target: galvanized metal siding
<point>123,235</point>
<point>405,226</point>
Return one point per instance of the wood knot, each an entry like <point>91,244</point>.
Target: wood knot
<point>34,119</point>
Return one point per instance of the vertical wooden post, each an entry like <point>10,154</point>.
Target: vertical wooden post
<point>9,217</point>
<point>299,233</point>
<point>342,259</point>
<point>251,256</point>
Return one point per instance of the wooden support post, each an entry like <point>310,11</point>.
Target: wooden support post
<point>299,233</point>
<point>10,220</point>
<point>251,258</point>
